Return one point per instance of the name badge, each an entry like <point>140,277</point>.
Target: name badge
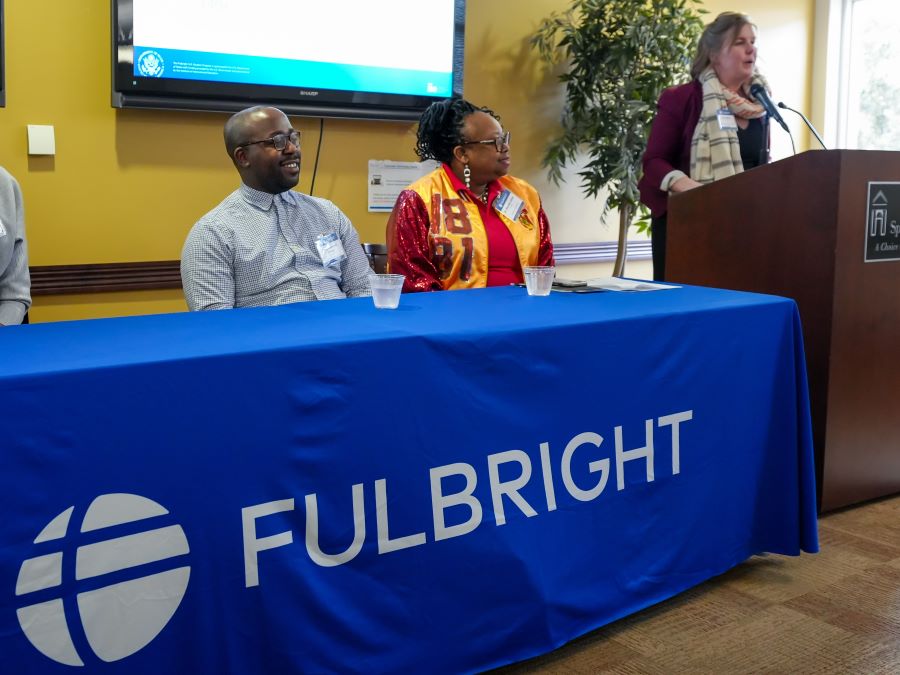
<point>509,205</point>
<point>726,120</point>
<point>331,250</point>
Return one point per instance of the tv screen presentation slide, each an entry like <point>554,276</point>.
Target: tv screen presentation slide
<point>392,46</point>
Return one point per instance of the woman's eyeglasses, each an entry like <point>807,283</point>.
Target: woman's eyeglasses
<point>500,142</point>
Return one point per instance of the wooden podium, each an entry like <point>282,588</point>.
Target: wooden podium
<point>800,228</point>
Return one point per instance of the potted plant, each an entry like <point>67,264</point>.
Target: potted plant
<point>620,55</point>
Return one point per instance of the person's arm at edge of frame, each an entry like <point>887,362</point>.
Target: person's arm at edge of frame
<point>207,270</point>
<point>355,268</point>
<point>409,252</point>
<point>15,282</point>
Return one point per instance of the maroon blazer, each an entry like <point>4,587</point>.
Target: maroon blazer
<point>669,145</point>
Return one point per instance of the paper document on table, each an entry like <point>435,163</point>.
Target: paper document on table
<point>619,284</point>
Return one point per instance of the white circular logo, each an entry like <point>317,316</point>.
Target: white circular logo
<point>118,618</point>
<point>151,64</point>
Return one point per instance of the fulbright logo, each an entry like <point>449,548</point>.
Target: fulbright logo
<point>117,618</point>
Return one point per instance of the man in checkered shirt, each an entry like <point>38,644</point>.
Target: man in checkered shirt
<point>266,244</point>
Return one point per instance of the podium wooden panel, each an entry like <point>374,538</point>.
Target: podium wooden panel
<point>797,228</point>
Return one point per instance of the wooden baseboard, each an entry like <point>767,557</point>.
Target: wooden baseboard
<point>105,277</point>
<point>160,274</point>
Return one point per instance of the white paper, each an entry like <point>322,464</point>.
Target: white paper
<point>619,284</point>
<point>387,180</point>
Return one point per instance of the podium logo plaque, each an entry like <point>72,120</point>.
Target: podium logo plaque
<point>883,222</point>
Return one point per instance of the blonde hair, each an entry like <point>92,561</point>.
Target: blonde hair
<point>725,26</point>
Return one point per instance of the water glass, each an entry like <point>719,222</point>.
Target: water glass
<point>539,279</point>
<point>386,290</point>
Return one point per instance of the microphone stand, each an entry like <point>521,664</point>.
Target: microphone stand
<point>764,150</point>
<point>808,123</point>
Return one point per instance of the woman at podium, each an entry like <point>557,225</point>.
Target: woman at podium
<point>467,224</point>
<point>708,129</point>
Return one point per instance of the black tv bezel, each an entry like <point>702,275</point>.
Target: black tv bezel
<point>130,91</point>
<point>2,56</point>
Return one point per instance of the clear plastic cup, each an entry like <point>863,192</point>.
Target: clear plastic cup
<point>386,290</point>
<point>539,280</point>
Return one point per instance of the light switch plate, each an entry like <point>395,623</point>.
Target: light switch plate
<point>41,139</point>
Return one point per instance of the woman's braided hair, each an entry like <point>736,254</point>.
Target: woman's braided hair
<point>440,128</point>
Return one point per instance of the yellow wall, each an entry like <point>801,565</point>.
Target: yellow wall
<point>127,185</point>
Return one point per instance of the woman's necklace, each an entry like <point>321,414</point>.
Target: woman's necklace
<point>484,194</point>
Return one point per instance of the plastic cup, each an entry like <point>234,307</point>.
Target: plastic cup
<point>539,280</point>
<point>386,290</point>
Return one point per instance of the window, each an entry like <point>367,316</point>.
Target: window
<point>869,117</point>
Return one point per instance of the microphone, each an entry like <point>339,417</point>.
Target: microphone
<point>808,123</point>
<point>760,94</point>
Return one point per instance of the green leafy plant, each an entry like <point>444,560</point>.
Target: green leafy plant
<point>620,55</point>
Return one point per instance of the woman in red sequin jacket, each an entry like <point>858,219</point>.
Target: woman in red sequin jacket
<point>467,224</point>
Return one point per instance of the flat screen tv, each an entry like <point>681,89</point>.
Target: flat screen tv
<point>323,58</point>
<point>2,60</point>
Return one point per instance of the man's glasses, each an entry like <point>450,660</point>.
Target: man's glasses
<point>500,142</point>
<point>278,141</point>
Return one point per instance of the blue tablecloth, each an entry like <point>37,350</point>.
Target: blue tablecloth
<point>472,479</point>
